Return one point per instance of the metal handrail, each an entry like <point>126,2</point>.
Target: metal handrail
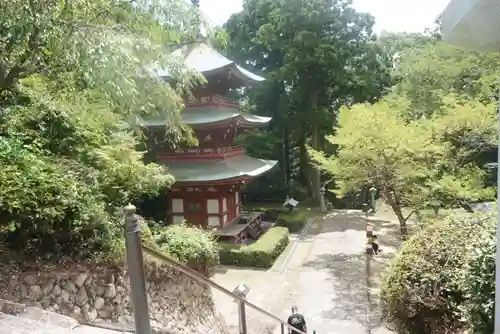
<point>200,278</point>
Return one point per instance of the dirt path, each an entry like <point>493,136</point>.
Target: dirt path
<point>324,273</point>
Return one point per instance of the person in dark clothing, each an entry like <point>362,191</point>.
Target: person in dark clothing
<point>296,320</point>
<point>373,241</point>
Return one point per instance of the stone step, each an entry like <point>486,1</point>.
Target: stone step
<point>12,324</point>
<point>48,317</point>
<point>21,319</point>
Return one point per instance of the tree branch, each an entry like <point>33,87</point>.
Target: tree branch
<point>411,213</point>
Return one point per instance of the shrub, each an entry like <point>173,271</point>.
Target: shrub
<point>480,283</point>
<point>294,221</point>
<point>192,246</point>
<point>262,253</point>
<point>425,288</point>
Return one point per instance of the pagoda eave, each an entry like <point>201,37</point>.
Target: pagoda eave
<point>204,59</point>
<point>242,167</point>
<point>204,119</point>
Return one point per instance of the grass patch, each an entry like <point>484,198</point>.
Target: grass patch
<point>260,254</point>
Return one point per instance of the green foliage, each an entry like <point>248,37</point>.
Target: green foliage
<point>194,247</point>
<point>312,66</point>
<point>423,162</point>
<point>427,70</point>
<point>74,78</point>
<point>480,282</point>
<point>294,221</point>
<point>262,253</point>
<point>259,144</point>
<point>427,285</point>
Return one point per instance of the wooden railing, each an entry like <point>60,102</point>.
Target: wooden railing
<point>202,153</point>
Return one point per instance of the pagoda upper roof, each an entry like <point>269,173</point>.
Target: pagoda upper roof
<point>211,115</point>
<point>237,167</point>
<point>203,58</point>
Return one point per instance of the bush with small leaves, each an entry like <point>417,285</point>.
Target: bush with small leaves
<point>192,246</point>
<point>427,286</point>
<point>480,282</point>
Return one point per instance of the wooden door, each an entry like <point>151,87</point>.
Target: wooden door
<point>195,211</point>
<point>231,208</point>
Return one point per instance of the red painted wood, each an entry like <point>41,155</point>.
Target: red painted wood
<point>188,155</point>
<point>221,213</point>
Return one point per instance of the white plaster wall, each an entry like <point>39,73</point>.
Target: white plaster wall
<point>178,219</point>
<point>236,197</point>
<point>213,221</point>
<point>224,205</point>
<point>177,205</point>
<point>225,219</point>
<point>212,206</point>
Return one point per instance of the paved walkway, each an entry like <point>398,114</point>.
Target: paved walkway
<point>325,276</point>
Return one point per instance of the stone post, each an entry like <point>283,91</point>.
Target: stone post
<point>322,199</point>
<point>135,263</point>
<point>373,191</point>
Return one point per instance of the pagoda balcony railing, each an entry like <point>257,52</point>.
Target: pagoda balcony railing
<point>202,153</point>
<point>216,99</point>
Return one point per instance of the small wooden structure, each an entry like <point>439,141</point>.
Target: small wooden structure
<point>246,226</point>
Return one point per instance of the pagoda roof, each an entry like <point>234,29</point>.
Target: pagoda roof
<point>206,115</point>
<point>241,166</point>
<point>203,58</point>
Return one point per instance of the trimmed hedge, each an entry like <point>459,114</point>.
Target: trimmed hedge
<point>261,254</point>
<point>428,287</point>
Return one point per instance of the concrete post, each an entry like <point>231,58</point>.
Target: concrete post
<point>243,317</point>
<point>135,262</point>
<point>322,199</point>
<point>373,191</point>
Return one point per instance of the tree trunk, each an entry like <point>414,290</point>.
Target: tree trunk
<point>303,159</point>
<point>399,213</point>
<point>286,156</point>
<point>315,173</point>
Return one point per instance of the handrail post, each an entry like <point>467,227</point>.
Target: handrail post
<point>242,291</point>
<point>282,328</point>
<point>133,245</point>
<point>243,317</point>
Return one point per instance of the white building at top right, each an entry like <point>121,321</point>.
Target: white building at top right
<point>473,24</point>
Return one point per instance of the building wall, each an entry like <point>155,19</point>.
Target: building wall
<point>209,207</point>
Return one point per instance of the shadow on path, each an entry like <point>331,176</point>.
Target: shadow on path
<point>353,276</point>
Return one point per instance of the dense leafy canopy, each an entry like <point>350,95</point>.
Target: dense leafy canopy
<point>426,144</point>
<point>421,163</point>
<point>74,77</point>
<point>316,56</point>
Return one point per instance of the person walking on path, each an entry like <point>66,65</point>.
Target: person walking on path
<point>297,321</point>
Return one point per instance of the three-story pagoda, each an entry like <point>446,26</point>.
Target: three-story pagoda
<point>209,178</point>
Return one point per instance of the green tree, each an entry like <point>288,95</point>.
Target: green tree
<point>74,77</point>
<point>317,55</point>
<point>409,162</point>
<point>427,70</point>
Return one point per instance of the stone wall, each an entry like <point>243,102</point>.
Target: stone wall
<point>101,295</point>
